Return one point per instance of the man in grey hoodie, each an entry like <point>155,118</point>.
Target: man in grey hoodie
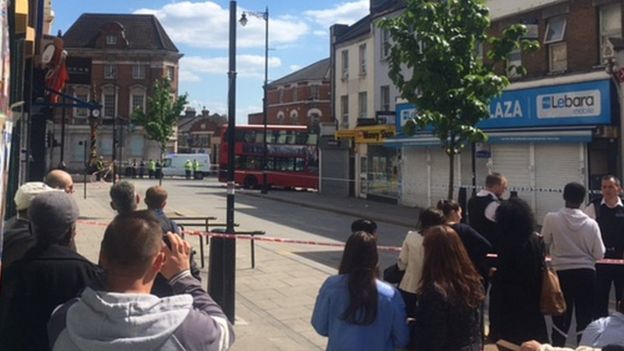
<point>575,245</point>
<point>124,316</point>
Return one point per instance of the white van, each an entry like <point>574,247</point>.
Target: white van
<point>173,165</point>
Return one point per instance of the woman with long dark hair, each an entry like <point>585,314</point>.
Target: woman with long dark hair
<point>451,292</point>
<point>354,309</point>
<point>516,285</point>
<point>476,245</point>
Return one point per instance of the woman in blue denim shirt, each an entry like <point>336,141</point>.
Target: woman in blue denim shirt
<point>354,309</point>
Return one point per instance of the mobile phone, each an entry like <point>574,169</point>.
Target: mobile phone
<point>167,241</point>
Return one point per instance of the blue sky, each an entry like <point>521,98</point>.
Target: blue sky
<point>298,36</point>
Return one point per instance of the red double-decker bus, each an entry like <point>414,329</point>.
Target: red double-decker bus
<point>292,156</point>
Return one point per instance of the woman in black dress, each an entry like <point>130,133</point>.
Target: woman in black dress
<point>516,285</point>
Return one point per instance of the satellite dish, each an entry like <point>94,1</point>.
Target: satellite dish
<point>47,54</point>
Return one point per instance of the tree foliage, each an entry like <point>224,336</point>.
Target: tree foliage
<point>162,113</point>
<point>436,64</point>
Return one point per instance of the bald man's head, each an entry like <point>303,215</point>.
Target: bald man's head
<point>59,179</point>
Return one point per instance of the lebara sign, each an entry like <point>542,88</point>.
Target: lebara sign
<point>585,103</point>
<point>577,104</point>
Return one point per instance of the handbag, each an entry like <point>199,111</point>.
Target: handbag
<point>552,301</point>
<point>393,274</point>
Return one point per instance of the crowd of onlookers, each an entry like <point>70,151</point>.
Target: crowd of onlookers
<point>434,297</point>
<point>143,293</point>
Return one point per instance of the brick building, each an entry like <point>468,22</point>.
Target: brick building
<point>122,56</point>
<point>300,98</point>
<point>201,133</point>
<point>559,123</point>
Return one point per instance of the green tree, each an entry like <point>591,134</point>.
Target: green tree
<point>161,115</point>
<point>436,63</point>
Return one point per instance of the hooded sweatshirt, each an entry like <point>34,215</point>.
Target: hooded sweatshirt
<point>573,239</point>
<point>106,321</point>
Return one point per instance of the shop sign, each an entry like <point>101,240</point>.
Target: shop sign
<point>374,135</point>
<point>578,104</point>
<point>585,103</point>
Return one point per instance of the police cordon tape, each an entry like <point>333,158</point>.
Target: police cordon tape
<point>309,242</point>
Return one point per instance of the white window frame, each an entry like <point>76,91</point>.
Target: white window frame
<point>295,93</point>
<point>552,21</point>
<point>614,8</point>
<point>362,59</point>
<point>171,73</point>
<point>280,95</point>
<point>315,92</point>
<point>384,97</point>
<point>110,71</point>
<point>385,43</point>
<point>136,91</point>
<point>363,104</point>
<point>111,39</point>
<point>138,71</point>
<point>514,58</point>
<point>344,55</point>
<point>344,111</point>
<point>107,92</point>
<point>551,63</point>
<point>280,117</point>
<point>294,116</point>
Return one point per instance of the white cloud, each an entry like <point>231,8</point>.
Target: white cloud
<point>294,67</point>
<point>246,66</point>
<point>320,33</point>
<point>206,25</point>
<point>344,13</point>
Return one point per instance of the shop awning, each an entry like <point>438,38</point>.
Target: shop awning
<point>502,137</point>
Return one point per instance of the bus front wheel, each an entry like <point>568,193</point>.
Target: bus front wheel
<point>250,182</point>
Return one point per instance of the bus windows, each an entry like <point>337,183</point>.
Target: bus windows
<point>285,164</point>
<point>259,137</point>
<point>312,139</point>
<point>281,137</point>
<point>299,164</point>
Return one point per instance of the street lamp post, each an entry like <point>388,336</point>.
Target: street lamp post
<point>243,21</point>
<point>222,273</point>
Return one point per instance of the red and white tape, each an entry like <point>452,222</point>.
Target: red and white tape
<point>306,242</point>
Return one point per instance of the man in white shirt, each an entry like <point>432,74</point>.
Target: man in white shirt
<point>575,245</point>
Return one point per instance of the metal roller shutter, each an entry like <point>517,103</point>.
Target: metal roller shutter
<point>514,162</point>
<point>555,166</point>
<point>414,177</point>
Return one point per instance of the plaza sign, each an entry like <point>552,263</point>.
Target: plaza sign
<point>578,104</point>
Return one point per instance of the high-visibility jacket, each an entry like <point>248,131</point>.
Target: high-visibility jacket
<point>151,166</point>
<point>195,166</point>
<point>188,166</point>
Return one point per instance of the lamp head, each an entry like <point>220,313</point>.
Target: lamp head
<point>243,19</point>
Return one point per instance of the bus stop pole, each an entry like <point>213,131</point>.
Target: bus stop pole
<point>222,269</point>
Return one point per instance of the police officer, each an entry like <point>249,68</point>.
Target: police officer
<point>195,169</point>
<point>188,168</point>
<point>608,211</point>
<point>151,168</point>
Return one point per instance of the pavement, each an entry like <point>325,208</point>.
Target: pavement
<point>274,301</point>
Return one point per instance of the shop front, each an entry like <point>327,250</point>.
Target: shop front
<point>540,138</point>
<point>377,166</point>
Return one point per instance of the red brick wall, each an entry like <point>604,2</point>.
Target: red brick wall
<point>581,37</point>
